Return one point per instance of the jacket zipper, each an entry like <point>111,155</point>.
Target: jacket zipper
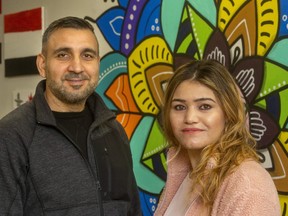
<point>95,175</point>
<point>99,189</point>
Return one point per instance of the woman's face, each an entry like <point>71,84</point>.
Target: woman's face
<point>196,117</point>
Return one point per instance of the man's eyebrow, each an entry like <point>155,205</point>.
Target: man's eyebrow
<point>90,51</point>
<point>61,49</point>
<point>67,49</point>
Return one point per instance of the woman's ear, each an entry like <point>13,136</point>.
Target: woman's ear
<point>40,62</point>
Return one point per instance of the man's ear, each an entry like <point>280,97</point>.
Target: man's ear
<point>40,62</point>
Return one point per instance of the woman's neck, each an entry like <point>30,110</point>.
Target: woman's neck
<point>195,157</point>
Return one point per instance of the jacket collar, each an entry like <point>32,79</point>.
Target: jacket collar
<point>44,114</point>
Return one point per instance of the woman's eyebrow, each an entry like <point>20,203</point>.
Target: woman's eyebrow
<point>204,99</point>
<point>195,100</point>
<point>178,100</point>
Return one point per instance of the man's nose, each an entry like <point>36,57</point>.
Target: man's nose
<point>76,65</point>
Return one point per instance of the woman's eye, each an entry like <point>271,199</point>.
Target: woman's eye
<point>205,107</point>
<point>179,107</point>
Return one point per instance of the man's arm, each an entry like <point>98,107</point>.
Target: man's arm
<point>12,175</point>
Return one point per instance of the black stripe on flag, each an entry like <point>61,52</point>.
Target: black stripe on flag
<point>20,66</point>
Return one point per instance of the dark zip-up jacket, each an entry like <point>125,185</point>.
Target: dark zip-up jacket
<point>43,172</point>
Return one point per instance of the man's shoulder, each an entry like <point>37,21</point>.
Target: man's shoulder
<point>18,117</point>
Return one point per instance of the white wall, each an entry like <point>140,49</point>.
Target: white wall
<point>52,10</point>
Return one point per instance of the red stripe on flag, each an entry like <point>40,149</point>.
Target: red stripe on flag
<point>30,20</point>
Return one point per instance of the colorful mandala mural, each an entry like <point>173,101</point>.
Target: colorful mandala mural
<point>150,39</point>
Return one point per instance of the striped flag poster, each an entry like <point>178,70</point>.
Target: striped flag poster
<point>22,41</point>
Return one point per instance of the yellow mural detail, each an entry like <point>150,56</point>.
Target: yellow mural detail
<point>267,16</point>
<point>283,202</point>
<point>228,9</point>
<point>150,61</point>
<point>283,137</point>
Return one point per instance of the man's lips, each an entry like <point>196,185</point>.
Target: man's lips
<point>72,80</point>
<point>73,77</point>
<point>75,81</point>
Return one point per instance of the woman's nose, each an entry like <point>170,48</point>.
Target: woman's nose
<point>191,116</point>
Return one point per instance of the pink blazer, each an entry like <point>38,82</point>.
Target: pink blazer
<point>249,191</point>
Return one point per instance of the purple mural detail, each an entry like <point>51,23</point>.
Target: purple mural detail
<point>129,29</point>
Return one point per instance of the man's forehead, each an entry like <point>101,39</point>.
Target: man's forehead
<point>77,39</point>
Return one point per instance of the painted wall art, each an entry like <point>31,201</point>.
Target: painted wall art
<point>150,39</point>
<point>22,38</point>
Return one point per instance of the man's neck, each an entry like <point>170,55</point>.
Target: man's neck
<point>59,106</point>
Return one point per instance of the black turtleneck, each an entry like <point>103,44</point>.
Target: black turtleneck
<point>76,125</point>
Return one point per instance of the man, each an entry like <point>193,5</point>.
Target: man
<point>64,153</point>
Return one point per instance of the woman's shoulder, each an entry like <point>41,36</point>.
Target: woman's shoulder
<point>250,177</point>
<point>251,170</point>
<point>250,188</point>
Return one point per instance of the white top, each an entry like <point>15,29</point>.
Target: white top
<point>181,201</point>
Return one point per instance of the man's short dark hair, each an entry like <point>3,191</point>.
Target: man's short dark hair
<point>65,22</point>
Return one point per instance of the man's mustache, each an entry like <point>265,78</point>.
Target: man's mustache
<point>79,76</point>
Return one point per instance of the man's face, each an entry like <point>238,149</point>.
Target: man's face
<point>71,68</point>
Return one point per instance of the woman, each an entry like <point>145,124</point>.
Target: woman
<point>213,167</point>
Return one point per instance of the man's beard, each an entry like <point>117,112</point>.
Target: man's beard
<point>69,97</point>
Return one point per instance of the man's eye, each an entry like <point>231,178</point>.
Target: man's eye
<point>89,56</point>
<point>62,55</point>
